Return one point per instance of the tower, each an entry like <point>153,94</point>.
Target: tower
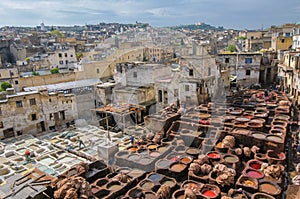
<point>42,26</point>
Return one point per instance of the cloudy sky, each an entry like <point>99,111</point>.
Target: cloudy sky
<point>239,14</point>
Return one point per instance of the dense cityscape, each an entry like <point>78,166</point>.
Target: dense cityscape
<point>113,110</point>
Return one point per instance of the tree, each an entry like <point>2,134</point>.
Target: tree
<point>231,48</point>
<point>5,85</point>
<point>54,71</point>
<point>79,55</point>
<point>241,38</point>
<point>27,59</point>
<point>57,33</point>
<point>34,73</point>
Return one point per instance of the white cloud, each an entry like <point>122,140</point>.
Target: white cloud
<point>230,13</point>
<point>159,12</point>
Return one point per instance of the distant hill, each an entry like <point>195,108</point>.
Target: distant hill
<point>202,26</point>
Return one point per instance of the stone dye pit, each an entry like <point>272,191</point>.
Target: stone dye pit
<point>234,148</point>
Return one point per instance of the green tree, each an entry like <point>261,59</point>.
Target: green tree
<point>231,48</point>
<point>5,85</point>
<point>34,73</point>
<point>27,59</point>
<point>241,38</point>
<point>79,55</point>
<point>54,71</point>
<point>57,33</point>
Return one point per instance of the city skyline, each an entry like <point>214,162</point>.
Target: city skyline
<point>235,14</point>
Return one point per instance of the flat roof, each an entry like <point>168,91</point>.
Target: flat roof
<point>65,85</point>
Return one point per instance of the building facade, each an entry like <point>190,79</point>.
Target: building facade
<point>245,66</point>
<point>289,75</point>
<point>35,112</point>
<point>64,58</point>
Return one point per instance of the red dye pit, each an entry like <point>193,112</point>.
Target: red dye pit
<point>213,155</point>
<point>254,174</point>
<point>255,165</point>
<point>209,193</point>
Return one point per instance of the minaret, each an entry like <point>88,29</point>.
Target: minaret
<point>42,26</point>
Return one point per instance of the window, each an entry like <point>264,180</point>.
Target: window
<point>135,74</point>
<point>1,125</point>
<point>248,60</point>
<point>51,116</point>
<point>165,97</point>
<point>33,117</point>
<point>62,115</point>
<point>61,62</point>
<point>71,55</point>
<point>59,55</point>
<point>19,133</point>
<point>32,101</point>
<point>209,71</point>
<point>16,82</point>
<point>248,72</point>
<point>187,87</point>
<point>282,41</point>
<point>160,95</point>
<point>67,62</point>
<point>191,72</point>
<point>50,100</point>
<point>226,60</point>
<point>66,54</point>
<point>19,103</point>
<point>188,98</point>
<point>98,71</point>
<point>252,37</point>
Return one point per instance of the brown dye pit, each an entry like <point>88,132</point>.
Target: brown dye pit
<point>255,125</point>
<point>186,160</point>
<point>268,188</point>
<point>150,196</point>
<point>181,197</point>
<point>114,187</point>
<point>178,167</point>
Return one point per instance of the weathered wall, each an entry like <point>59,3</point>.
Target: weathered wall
<point>46,79</point>
<point>33,109</point>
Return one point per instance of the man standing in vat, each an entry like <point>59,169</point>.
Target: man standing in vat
<point>80,142</point>
<point>131,139</point>
<point>27,155</point>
